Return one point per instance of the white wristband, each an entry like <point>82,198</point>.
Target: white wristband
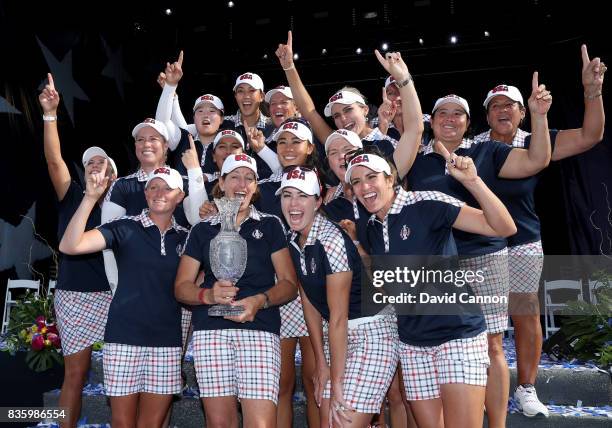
<point>49,118</point>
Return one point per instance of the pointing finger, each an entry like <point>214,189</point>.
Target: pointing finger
<point>534,81</point>
<point>384,95</point>
<point>585,56</point>
<point>290,39</point>
<point>51,82</point>
<point>379,57</point>
<point>180,58</point>
<point>191,142</point>
<point>443,151</point>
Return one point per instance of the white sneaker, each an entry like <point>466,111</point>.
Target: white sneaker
<point>527,402</point>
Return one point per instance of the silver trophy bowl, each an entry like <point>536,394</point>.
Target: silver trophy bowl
<point>228,253</point>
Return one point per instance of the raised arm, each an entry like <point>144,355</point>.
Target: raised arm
<point>493,219</point>
<point>570,142</point>
<point>58,171</point>
<point>173,74</point>
<point>177,115</point>
<point>412,116</point>
<point>197,191</point>
<point>75,239</point>
<point>300,95</point>
<point>522,163</point>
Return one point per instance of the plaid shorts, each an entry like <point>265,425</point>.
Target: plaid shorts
<point>81,318</point>
<point>130,369</point>
<point>525,263</point>
<point>371,361</point>
<point>185,324</point>
<point>496,283</point>
<point>425,368</point>
<point>293,323</point>
<point>242,363</point>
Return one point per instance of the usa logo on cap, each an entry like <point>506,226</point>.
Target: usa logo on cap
<point>162,170</point>
<point>242,157</point>
<point>246,76</point>
<point>291,125</point>
<point>337,96</point>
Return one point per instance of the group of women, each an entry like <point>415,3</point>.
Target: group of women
<point>315,202</point>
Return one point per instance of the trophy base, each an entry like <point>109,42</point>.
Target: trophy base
<point>225,310</point>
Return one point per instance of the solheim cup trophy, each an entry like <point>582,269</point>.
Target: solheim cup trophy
<point>228,253</point>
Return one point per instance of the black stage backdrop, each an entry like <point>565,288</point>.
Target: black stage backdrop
<point>105,58</point>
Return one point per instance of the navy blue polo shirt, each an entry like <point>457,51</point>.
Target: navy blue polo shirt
<point>268,201</point>
<point>85,272</point>
<point>128,192</point>
<point>383,142</point>
<point>429,173</point>
<point>420,223</point>
<point>518,194</point>
<point>265,235</point>
<point>340,208</point>
<point>175,156</point>
<point>144,311</point>
<point>327,250</point>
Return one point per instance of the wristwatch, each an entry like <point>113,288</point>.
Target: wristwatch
<point>266,304</point>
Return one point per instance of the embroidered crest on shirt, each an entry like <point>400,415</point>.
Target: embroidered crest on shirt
<point>405,232</point>
<point>257,234</point>
<point>179,250</point>
<point>313,266</point>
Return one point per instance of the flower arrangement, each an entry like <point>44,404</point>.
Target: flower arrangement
<point>32,328</point>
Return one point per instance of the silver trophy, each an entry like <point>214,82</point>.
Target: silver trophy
<point>228,253</point>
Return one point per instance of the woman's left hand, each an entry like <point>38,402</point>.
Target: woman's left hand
<point>349,227</point>
<point>251,306</point>
<point>592,73</point>
<point>255,137</point>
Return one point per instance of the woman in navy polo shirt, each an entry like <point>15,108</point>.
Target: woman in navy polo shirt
<point>444,357</point>
<point>505,113</point>
<point>361,351</point>
<point>142,353</point>
<point>82,296</point>
<point>294,146</point>
<point>449,122</point>
<point>239,357</point>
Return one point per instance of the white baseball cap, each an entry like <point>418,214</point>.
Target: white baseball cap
<point>369,160</point>
<point>155,124</point>
<point>342,97</point>
<point>345,134</point>
<point>169,175</point>
<point>452,98</point>
<point>305,180</point>
<point>236,161</point>
<point>228,133</point>
<point>210,99</point>
<point>285,90</point>
<point>390,80</point>
<point>511,92</point>
<point>297,128</point>
<point>97,151</point>
<point>250,79</point>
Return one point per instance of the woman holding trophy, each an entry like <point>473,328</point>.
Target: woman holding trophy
<point>247,274</point>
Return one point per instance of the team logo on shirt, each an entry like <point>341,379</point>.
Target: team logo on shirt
<point>257,234</point>
<point>405,232</point>
<point>313,266</point>
<point>179,249</point>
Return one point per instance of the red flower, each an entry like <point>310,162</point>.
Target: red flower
<point>38,342</point>
<point>52,328</point>
<point>41,321</point>
<point>54,338</point>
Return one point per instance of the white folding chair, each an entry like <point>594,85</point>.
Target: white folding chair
<point>9,300</point>
<point>555,298</point>
<point>51,286</point>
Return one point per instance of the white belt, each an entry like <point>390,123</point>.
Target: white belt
<point>363,320</point>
